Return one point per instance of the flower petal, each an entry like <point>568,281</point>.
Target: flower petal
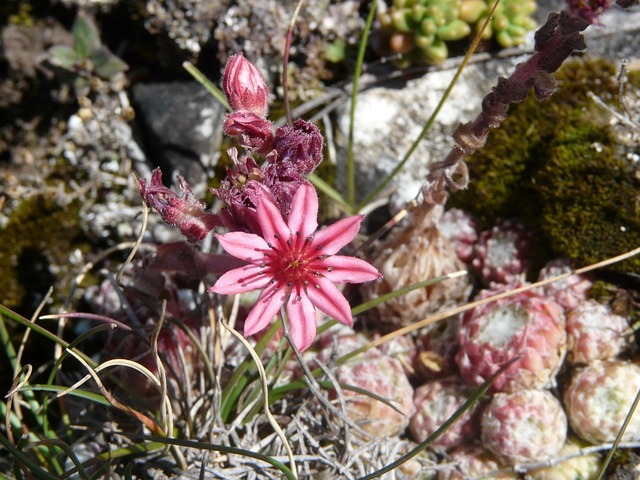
<point>303,216</point>
<point>326,297</point>
<point>265,309</point>
<point>245,246</point>
<point>239,280</point>
<point>302,321</point>
<point>331,239</point>
<point>274,229</point>
<point>341,269</point>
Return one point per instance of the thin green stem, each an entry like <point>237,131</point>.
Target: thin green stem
<point>429,123</point>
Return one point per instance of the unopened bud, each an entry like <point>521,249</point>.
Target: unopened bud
<point>244,86</point>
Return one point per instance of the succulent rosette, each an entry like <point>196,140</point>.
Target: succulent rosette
<point>594,332</point>
<point>473,461</point>
<point>413,253</point>
<point>571,291</point>
<point>435,402</point>
<point>577,467</point>
<point>599,398</point>
<point>503,253</point>
<point>385,377</point>
<point>526,327</point>
<point>524,426</point>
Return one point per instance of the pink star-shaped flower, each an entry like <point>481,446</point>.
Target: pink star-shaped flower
<point>294,266</point>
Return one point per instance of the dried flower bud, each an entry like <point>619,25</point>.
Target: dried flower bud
<point>589,10</point>
<point>183,212</point>
<point>244,86</point>
<point>299,146</point>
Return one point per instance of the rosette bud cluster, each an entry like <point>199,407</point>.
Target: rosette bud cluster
<point>599,398</point>
<point>510,22</point>
<point>524,426</point>
<point>526,327</point>
<point>425,25</point>
<point>503,253</point>
<point>435,402</point>
<point>594,332</point>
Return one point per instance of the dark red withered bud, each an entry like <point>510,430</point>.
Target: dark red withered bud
<point>299,145</point>
<point>182,211</point>
<point>244,86</point>
<point>589,10</point>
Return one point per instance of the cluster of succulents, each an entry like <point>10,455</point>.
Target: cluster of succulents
<point>529,416</point>
<point>421,29</point>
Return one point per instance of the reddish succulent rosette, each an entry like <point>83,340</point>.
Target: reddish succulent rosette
<point>435,402</point>
<point>571,291</point>
<point>598,399</point>
<point>524,426</point>
<point>526,327</point>
<point>594,332</point>
<point>503,253</point>
<point>383,376</point>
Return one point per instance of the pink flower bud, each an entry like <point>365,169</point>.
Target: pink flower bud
<point>244,86</point>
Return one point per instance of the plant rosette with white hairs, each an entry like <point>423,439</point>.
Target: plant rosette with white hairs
<point>524,426</point>
<point>525,328</point>
<point>594,332</point>
<point>435,402</point>
<point>599,398</point>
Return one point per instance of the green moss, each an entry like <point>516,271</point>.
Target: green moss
<point>35,245</point>
<point>589,210</point>
<point>502,173</point>
<point>555,164</point>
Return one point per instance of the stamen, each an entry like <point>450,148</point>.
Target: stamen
<point>317,286</point>
<point>329,269</point>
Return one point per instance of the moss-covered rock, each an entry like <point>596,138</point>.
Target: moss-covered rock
<point>556,165</point>
<point>36,244</point>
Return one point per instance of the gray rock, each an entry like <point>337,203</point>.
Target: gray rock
<point>389,119</point>
<point>182,126</point>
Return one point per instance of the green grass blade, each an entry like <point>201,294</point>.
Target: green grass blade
<point>206,83</point>
<point>328,190</point>
<point>351,177</point>
<point>18,455</point>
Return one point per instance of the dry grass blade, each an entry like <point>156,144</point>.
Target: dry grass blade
<point>15,387</point>
<point>93,373</point>
<point>265,395</point>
